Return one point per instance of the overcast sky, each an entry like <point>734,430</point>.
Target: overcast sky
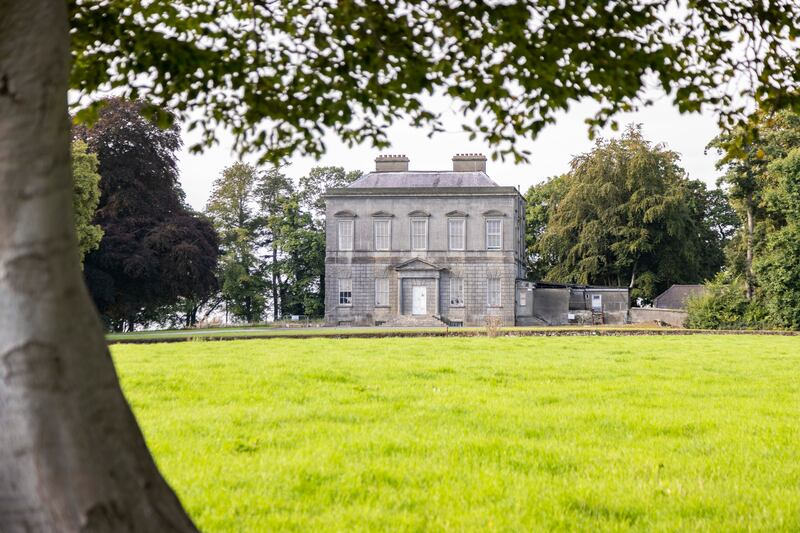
<point>557,144</point>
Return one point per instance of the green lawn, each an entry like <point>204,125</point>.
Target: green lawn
<point>476,434</point>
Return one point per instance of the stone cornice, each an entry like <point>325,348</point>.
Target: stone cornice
<point>423,191</point>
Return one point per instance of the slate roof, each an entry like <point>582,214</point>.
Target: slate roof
<point>416,178</point>
<point>676,296</point>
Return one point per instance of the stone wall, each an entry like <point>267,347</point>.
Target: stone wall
<point>551,305</point>
<point>474,274</point>
<point>645,315</point>
<point>474,265</point>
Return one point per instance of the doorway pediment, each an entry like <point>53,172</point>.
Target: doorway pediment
<point>417,263</point>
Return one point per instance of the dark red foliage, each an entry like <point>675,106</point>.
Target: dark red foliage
<point>155,249</point>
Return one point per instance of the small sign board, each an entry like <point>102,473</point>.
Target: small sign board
<point>295,317</point>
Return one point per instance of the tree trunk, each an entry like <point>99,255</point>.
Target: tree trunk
<point>633,275</point>
<point>749,257</point>
<point>72,457</point>
<point>274,269</point>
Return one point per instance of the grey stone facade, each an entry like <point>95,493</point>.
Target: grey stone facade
<point>553,304</point>
<point>438,207</point>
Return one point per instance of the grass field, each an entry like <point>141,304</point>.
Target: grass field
<point>476,434</point>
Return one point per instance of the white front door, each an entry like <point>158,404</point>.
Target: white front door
<point>419,301</point>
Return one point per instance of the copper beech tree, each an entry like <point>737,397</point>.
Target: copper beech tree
<point>279,75</point>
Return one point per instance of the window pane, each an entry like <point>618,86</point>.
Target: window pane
<point>346,235</point>
<point>456,291</point>
<point>419,238</point>
<point>382,235</point>
<point>493,292</point>
<point>382,291</point>
<point>494,234</point>
<point>456,234</point>
<point>345,291</point>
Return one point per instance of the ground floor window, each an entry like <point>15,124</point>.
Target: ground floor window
<point>493,292</point>
<point>381,292</point>
<point>346,291</point>
<point>456,292</point>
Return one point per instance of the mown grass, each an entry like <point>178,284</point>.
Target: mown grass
<point>476,434</point>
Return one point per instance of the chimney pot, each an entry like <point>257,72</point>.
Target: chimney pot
<point>391,163</point>
<point>469,163</point>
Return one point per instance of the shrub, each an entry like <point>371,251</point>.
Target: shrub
<point>493,325</point>
<point>725,306</point>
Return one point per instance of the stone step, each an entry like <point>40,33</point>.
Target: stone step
<point>414,321</point>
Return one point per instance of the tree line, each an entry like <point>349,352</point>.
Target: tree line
<point>256,251</point>
<point>760,284</point>
<point>625,214</point>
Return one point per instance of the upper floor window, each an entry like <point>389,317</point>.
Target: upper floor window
<point>381,292</point>
<point>419,233</point>
<point>494,233</point>
<point>382,229</point>
<point>345,235</point>
<point>493,298</point>
<point>455,233</point>
<point>346,291</point>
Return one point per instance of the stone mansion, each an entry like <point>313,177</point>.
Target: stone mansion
<point>424,248</point>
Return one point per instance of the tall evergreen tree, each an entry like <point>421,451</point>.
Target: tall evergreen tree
<point>272,190</point>
<point>310,230</point>
<point>235,210</point>
<point>302,246</point>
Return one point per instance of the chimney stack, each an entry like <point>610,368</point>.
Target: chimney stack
<point>469,163</point>
<point>391,163</point>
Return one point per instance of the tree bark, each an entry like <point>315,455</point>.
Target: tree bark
<point>72,457</point>
<point>275,302</point>
<point>633,275</point>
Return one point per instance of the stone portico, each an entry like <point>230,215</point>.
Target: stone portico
<point>417,277</point>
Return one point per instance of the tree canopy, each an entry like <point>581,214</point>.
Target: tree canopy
<point>155,250</point>
<point>279,74</point>
<point>273,239</point>
<point>235,211</point>
<point>625,215</point>
<point>749,183</point>
<point>86,197</point>
<point>778,268</point>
